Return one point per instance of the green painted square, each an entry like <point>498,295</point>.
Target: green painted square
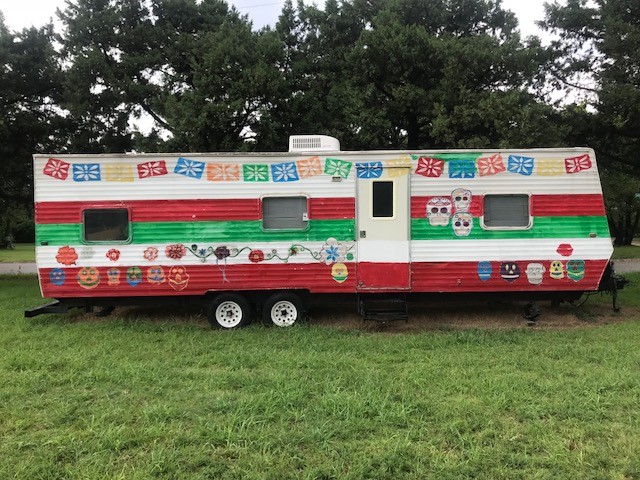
<point>255,173</point>
<point>336,167</point>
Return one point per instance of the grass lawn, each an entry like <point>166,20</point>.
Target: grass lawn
<point>157,394</point>
<point>627,251</point>
<point>23,252</point>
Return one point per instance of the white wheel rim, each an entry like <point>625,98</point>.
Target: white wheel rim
<point>284,313</point>
<point>228,314</point>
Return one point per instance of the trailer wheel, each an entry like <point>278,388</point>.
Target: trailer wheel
<point>229,310</point>
<point>283,309</point>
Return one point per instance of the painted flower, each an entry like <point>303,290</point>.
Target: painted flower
<point>429,167</point>
<point>256,256</point>
<point>86,172</point>
<point>336,167</point>
<point>222,253</point>
<point>113,254</point>
<point>332,251</point>
<point>284,172</point>
<point>369,169</point>
<point>67,255</point>
<point>57,169</point>
<point>189,168</point>
<point>176,252</point>
<point>520,164</point>
<point>255,173</point>
<point>152,169</point>
<point>151,253</point>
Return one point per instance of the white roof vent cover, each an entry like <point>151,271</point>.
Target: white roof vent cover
<point>311,143</point>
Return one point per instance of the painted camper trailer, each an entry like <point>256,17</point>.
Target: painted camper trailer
<point>239,229</point>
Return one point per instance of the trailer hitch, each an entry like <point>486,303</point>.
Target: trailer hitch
<point>612,282</point>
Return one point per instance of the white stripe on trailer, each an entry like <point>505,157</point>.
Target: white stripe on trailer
<point>509,249</point>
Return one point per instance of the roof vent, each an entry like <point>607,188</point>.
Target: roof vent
<point>313,143</point>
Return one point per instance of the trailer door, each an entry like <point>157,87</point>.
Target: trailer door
<point>383,227</point>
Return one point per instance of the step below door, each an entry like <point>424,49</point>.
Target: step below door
<point>383,210</point>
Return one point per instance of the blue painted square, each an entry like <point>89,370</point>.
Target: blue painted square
<point>520,164</point>
<point>189,168</point>
<point>86,172</point>
<point>369,170</point>
<point>284,172</point>
<point>462,169</point>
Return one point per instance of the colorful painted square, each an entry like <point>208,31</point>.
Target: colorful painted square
<point>284,172</point>
<point>549,167</point>
<point>369,169</point>
<point>398,167</point>
<point>429,167</point>
<point>189,168</point>
<point>152,169</point>
<point>490,165</point>
<point>223,172</point>
<point>309,167</point>
<point>57,169</point>
<point>521,165</point>
<point>255,173</point>
<point>86,172</point>
<point>337,168</point>
<point>118,173</point>
<point>462,168</point>
<point>577,164</point>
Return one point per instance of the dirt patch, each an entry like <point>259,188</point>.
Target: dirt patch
<point>495,316</point>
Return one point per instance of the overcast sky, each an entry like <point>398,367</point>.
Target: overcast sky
<point>25,13</point>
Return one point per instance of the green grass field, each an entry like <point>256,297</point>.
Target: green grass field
<point>23,252</point>
<point>627,251</point>
<point>157,394</point>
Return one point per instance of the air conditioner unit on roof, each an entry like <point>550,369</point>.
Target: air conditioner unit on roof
<point>313,143</point>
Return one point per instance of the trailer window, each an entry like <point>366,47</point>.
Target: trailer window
<point>382,199</point>
<point>105,225</point>
<point>506,211</point>
<point>284,213</point>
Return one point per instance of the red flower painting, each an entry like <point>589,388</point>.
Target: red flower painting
<point>67,255</point>
<point>256,256</point>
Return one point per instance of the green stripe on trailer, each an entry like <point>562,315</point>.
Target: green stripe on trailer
<point>209,232</point>
<point>543,227</point>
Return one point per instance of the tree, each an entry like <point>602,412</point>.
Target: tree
<point>600,41</point>
<point>453,73</point>
<point>31,122</point>
<point>196,68</point>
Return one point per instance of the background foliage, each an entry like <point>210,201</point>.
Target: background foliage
<point>376,74</point>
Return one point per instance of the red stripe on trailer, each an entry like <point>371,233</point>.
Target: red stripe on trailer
<point>564,205</point>
<point>195,280</point>
<point>567,205</point>
<point>446,277</point>
<point>188,210</point>
<point>466,277</point>
<point>419,205</point>
<point>332,208</point>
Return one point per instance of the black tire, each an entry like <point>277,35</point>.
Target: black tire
<point>229,311</point>
<point>283,309</point>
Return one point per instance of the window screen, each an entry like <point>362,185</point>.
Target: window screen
<point>106,224</point>
<point>506,210</point>
<point>382,199</point>
<point>284,213</point>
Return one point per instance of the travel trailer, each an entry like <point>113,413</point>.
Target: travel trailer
<point>273,231</point>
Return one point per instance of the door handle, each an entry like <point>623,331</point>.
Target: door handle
<point>363,234</point>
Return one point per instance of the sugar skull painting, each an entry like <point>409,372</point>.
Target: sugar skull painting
<point>178,278</point>
<point>461,199</point>
<point>575,270</point>
<point>462,224</point>
<point>439,211</point>
<point>510,271</point>
<point>556,270</point>
<point>484,271</point>
<point>88,277</point>
<point>113,276</point>
<point>57,277</point>
<point>134,276</point>
<point>535,273</point>
<point>155,275</point>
